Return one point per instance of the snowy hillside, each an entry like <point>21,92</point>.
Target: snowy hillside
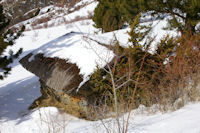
<point>21,88</point>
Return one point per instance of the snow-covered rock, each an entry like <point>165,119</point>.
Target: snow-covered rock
<point>64,66</point>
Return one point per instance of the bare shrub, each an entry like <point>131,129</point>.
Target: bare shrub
<point>72,3</point>
<point>117,83</point>
<point>182,71</point>
<point>52,122</point>
<point>76,8</point>
<point>169,77</point>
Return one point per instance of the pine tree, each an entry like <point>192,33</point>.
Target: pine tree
<point>185,14</point>
<point>187,11</point>
<point>107,15</point>
<point>4,43</point>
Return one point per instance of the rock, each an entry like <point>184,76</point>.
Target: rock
<point>59,81</point>
<point>62,82</point>
<point>55,72</point>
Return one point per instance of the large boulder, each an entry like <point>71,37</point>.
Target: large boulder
<point>64,78</point>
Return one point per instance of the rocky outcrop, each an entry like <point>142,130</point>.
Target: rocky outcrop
<point>54,72</point>
<point>59,81</point>
<point>64,66</point>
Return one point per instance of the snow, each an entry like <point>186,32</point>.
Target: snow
<point>21,87</point>
<point>75,48</point>
<point>183,120</point>
<point>83,11</point>
<point>45,9</point>
<point>49,119</point>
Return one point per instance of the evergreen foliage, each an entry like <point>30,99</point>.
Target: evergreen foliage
<point>155,69</point>
<point>107,15</point>
<point>112,20</point>
<point>185,14</point>
<point>3,21</point>
<point>127,62</point>
<point>6,39</point>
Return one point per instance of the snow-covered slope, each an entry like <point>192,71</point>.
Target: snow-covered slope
<point>21,87</point>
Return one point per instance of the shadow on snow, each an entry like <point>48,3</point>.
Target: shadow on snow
<point>17,97</point>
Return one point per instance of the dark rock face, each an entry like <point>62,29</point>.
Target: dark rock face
<point>59,82</point>
<point>54,72</point>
